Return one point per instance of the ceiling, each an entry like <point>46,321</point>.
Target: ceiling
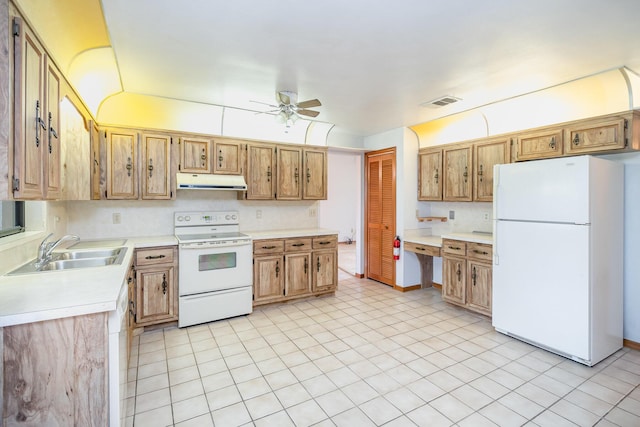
<point>370,62</point>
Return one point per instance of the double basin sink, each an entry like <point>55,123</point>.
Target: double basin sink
<point>74,259</point>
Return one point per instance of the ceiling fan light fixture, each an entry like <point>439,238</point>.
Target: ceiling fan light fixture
<point>282,117</point>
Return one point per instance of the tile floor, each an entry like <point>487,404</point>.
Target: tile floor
<point>369,356</point>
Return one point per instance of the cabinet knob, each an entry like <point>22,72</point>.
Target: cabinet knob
<point>576,139</point>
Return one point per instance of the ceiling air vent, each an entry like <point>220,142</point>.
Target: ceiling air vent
<point>440,102</point>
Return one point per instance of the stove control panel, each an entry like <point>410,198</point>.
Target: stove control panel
<point>206,218</point>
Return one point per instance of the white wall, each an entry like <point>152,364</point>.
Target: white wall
<point>94,219</point>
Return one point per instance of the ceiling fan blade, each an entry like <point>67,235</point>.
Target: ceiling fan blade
<point>309,113</point>
<point>263,103</point>
<point>268,111</point>
<point>309,103</point>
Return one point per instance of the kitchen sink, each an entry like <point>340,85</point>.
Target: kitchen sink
<point>68,260</point>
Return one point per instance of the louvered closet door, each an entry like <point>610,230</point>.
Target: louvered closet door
<point>381,215</point>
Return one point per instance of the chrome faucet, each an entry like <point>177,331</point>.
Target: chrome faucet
<point>46,248</point>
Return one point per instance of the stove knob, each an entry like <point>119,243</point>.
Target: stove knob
<point>227,217</point>
<point>187,218</point>
<point>234,217</point>
<point>180,218</point>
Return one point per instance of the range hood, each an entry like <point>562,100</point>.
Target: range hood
<point>203,181</point>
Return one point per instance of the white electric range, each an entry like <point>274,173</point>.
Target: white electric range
<point>216,267</point>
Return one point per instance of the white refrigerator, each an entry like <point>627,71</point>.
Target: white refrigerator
<point>558,246</point>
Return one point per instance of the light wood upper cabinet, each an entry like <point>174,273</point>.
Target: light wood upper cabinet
<point>195,155</point>
<point>53,176</point>
<point>30,128</point>
<point>456,164</point>
<point>314,186</point>
<point>289,173</point>
<point>595,135</point>
<point>122,166</point>
<point>486,155</point>
<point>97,171</point>
<point>539,144</point>
<point>156,167</point>
<point>261,177</point>
<point>227,157</point>
<point>430,174</point>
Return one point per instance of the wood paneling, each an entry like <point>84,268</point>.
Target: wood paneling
<point>380,215</point>
<point>55,372</point>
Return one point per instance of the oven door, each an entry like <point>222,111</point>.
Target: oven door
<point>209,269</point>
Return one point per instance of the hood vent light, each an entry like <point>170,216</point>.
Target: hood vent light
<point>441,102</point>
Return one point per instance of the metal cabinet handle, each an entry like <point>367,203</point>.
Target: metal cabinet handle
<point>420,249</point>
<point>326,242</point>
<point>95,162</point>
<point>318,265</point>
<point>203,157</point>
<point>473,276</point>
<point>436,176</point>
<point>480,173</point>
<point>466,173</point>
<point>268,247</point>
<point>52,132</point>
<point>154,257</point>
<point>268,173</point>
<point>129,166</point>
<point>277,268</point>
<point>308,175</point>
<point>164,284</point>
<point>295,175</point>
<point>150,167</point>
<point>458,272</point>
<point>480,252</point>
<point>298,245</point>
<point>576,139</point>
<point>220,158</point>
<point>39,123</point>
<point>306,266</point>
<point>455,248</point>
<point>552,144</point>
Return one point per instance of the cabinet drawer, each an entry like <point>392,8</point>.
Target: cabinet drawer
<point>297,245</point>
<point>325,242</point>
<point>149,256</point>
<point>422,249</point>
<point>261,247</point>
<point>454,247</point>
<point>479,251</point>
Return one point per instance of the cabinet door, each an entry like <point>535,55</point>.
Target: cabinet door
<point>539,145</point>
<point>155,295</point>
<point>289,171</point>
<point>457,174</point>
<point>122,171</point>
<point>454,278</point>
<point>488,154</point>
<point>260,171</point>
<point>268,278</point>
<point>325,270</point>
<point>97,178</point>
<point>195,155</point>
<point>479,289</point>
<point>597,135</point>
<point>53,181</point>
<point>228,157</point>
<point>156,158</point>
<point>297,274</point>
<point>29,113</point>
<point>315,179</point>
<point>430,175</point>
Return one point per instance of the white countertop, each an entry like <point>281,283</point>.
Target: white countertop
<point>36,297</point>
<point>413,237</point>
<point>284,234</point>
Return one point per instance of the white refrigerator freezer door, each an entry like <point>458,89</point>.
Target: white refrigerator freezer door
<point>553,190</point>
<point>541,286</point>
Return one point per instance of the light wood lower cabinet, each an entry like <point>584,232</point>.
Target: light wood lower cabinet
<point>295,267</point>
<point>466,270</point>
<point>156,283</point>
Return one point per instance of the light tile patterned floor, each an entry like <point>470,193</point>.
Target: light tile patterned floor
<point>369,356</point>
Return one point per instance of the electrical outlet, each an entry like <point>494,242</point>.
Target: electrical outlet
<point>452,214</point>
<point>486,216</point>
<point>258,213</point>
<point>117,219</point>
<point>313,212</point>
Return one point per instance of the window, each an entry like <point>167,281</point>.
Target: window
<point>11,218</point>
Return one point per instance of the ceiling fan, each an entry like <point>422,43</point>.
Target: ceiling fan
<point>289,109</point>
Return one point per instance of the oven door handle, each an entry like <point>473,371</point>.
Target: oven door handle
<point>220,292</point>
<point>233,245</point>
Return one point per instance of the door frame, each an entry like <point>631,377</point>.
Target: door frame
<point>365,250</point>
